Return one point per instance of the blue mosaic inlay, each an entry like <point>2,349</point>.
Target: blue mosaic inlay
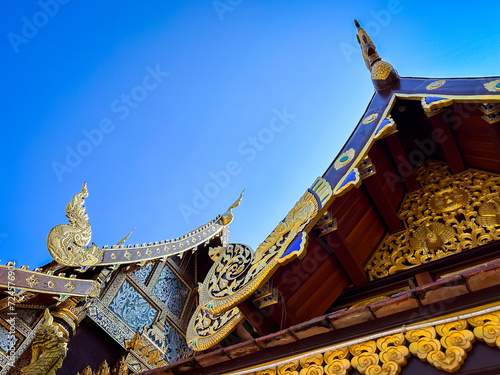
<point>133,308</point>
<point>143,273</point>
<point>171,291</point>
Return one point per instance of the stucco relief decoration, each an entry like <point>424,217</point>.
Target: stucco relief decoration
<point>448,215</point>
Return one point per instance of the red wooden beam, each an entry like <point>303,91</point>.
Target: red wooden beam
<point>442,132</point>
<point>384,206</point>
<point>258,318</point>
<point>337,244</point>
<point>404,167</point>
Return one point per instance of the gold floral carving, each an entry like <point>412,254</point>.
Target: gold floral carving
<point>381,70</point>
<point>364,356</point>
<point>489,213</point>
<point>49,349</point>
<point>448,215</point>
<point>444,346</point>
<point>206,329</point>
<point>119,369</point>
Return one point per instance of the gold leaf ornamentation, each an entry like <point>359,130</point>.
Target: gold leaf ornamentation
<point>32,281</point>
<point>435,85</point>
<point>206,329</point>
<point>449,361</point>
<point>312,365</point>
<point>448,215</point>
<point>289,368</point>
<point>337,362</point>
<point>489,213</point>
<point>238,273</point>
<point>388,368</point>
<point>49,349</point>
<point>66,242</point>
<point>364,356</point>
<point>493,86</point>
<point>487,328</point>
<point>392,349</point>
<point>269,371</point>
<point>381,70</point>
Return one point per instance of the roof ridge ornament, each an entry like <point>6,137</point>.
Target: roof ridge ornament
<point>383,74</point>
<point>67,243</point>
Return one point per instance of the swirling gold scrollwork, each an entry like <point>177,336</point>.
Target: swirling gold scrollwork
<point>290,368</point>
<point>489,213</point>
<point>312,365</point>
<point>443,346</point>
<point>450,214</point>
<point>232,263</point>
<point>487,328</point>
<point>364,356</point>
<point>422,342</point>
<point>337,362</point>
<point>238,273</point>
<point>66,242</point>
<point>455,338</point>
<point>206,329</point>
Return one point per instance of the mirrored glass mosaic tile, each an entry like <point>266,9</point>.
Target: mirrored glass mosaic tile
<point>176,347</point>
<point>6,339</point>
<point>143,272</point>
<point>133,308</point>
<point>171,291</point>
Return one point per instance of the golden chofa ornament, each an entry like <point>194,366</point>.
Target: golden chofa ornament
<point>383,74</point>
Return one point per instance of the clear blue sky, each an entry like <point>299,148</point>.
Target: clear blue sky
<point>150,101</point>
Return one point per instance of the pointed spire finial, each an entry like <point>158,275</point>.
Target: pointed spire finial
<point>383,74</point>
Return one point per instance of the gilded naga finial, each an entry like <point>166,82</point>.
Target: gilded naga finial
<point>66,242</point>
<point>227,216</point>
<point>383,74</point>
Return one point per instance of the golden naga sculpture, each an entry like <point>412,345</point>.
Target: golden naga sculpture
<point>66,242</point>
<point>238,272</point>
<point>49,349</point>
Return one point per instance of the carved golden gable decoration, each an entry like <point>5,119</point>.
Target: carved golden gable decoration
<point>449,214</point>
